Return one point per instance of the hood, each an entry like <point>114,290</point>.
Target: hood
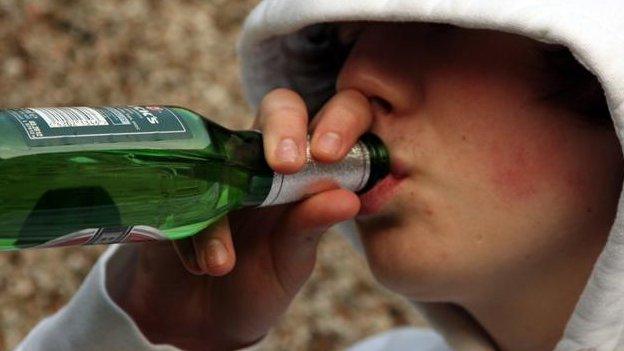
<point>281,46</point>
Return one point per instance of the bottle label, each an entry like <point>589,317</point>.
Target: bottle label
<point>88,125</point>
<point>106,236</point>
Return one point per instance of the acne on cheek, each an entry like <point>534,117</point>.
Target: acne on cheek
<point>512,174</point>
<point>518,173</point>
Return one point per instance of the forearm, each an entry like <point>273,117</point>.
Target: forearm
<point>165,308</point>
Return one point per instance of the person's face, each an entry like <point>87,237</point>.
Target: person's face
<point>498,182</point>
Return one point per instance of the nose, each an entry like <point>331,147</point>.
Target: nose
<point>379,67</point>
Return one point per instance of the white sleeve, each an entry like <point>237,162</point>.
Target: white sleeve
<point>92,321</point>
<point>403,339</point>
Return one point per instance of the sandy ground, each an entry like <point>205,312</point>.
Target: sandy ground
<point>115,52</point>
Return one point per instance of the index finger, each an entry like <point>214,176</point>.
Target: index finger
<point>339,124</point>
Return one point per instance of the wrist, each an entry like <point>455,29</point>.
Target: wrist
<point>128,288</point>
<point>143,290</point>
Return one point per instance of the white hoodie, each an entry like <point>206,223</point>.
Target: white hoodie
<point>591,29</point>
<point>277,50</point>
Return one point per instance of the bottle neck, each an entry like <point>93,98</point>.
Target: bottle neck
<point>258,190</point>
<point>245,150</point>
<point>365,164</point>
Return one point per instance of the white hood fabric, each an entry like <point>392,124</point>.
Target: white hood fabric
<point>280,47</point>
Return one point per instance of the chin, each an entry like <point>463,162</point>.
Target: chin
<point>405,262</point>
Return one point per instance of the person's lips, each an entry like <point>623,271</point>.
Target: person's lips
<point>374,199</point>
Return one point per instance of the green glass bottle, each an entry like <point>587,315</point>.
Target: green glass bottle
<point>104,175</point>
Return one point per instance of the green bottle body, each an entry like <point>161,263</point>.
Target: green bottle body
<point>104,175</point>
<point>79,183</point>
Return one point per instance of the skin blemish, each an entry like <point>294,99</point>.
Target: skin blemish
<point>428,211</point>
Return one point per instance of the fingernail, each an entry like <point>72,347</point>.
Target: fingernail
<point>287,151</point>
<point>330,143</point>
<point>216,253</point>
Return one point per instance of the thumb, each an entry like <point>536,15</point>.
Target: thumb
<point>294,245</point>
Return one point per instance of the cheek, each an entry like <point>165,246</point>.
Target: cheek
<point>520,169</point>
<point>512,173</point>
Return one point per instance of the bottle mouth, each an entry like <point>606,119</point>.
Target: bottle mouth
<point>379,160</point>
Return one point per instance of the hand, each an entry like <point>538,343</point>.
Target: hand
<point>239,276</point>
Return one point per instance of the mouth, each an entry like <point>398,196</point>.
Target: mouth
<point>374,200</point>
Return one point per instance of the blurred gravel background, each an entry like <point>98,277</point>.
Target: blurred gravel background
<point>84,52</point>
